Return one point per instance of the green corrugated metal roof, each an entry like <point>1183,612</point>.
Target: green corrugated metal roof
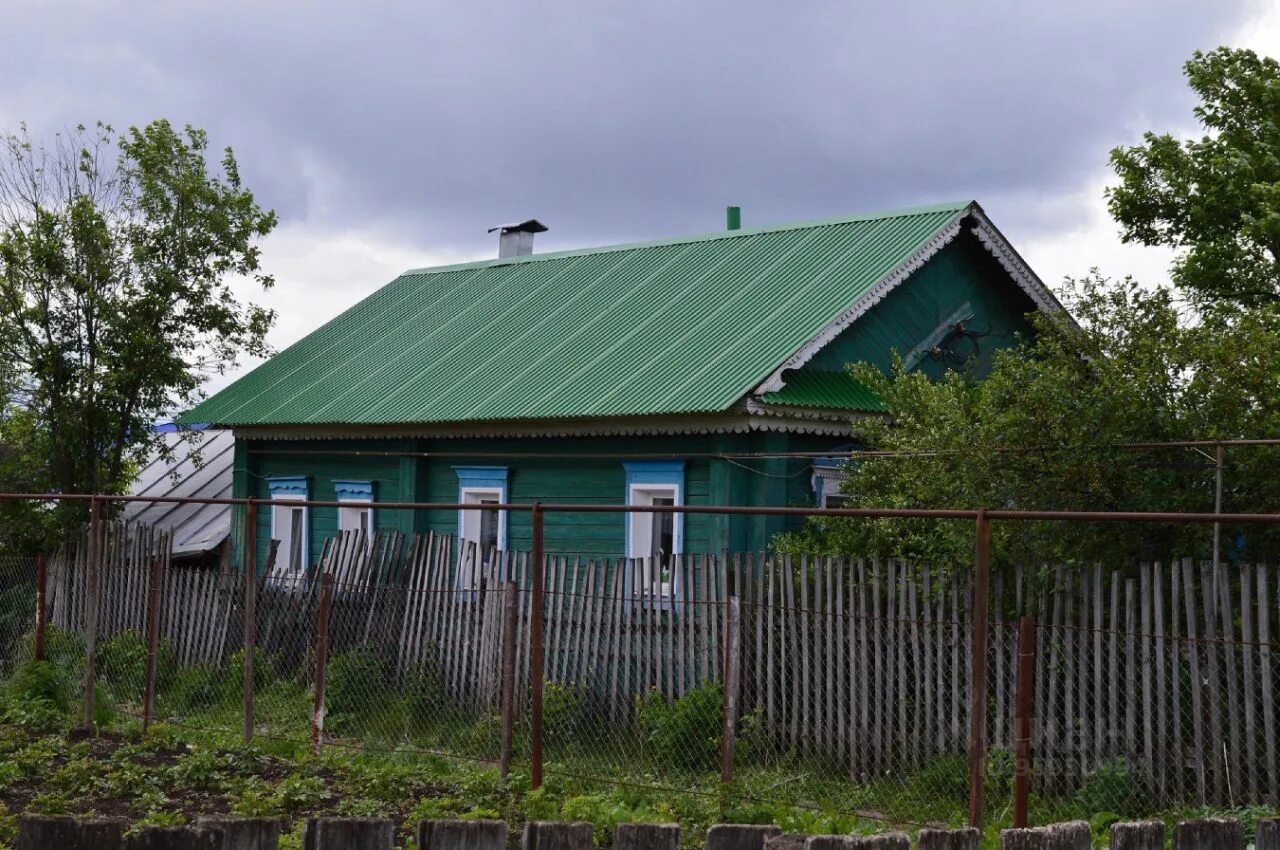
<point>820,388</point>
<point>677,326</point>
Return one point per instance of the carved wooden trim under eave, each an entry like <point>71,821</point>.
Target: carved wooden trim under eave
<point>742,419</point>
<point>858,308</point>
<point>990,238</point>
<point>1009,259</point>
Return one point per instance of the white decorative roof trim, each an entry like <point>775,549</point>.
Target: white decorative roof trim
<point>739,421</point>
<point>828,414</point>
<point>858,308</point>
<point>995,243</point>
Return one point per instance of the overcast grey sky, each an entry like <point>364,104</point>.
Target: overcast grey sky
<point>391,135</point>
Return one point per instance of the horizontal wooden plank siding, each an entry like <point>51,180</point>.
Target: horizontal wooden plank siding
<point>417,476</point>
<point>322,470</point>
<point>582,480</point>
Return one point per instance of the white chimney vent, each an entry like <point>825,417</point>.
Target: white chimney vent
<point>516,240</point>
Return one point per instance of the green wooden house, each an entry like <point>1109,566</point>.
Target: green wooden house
<point>643,373</point>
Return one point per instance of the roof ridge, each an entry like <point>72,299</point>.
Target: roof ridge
<point>904,212</point>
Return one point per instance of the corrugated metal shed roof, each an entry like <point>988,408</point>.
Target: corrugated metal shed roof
<point>678,326</point>
<point>819,388</point>
<point>196,528</point>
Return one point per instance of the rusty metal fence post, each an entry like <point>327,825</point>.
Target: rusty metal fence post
<point>250,611</point>
<point>153,643</point>
<point>322,661</point>
<point>1022,723</point>
<point>508,675</point>
<point>42,592</point>
<point>978,666</point>
<point>92,586</point>
<point>536,661</point>
<point>732,662</point>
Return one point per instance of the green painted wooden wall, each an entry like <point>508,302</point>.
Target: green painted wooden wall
<point>580,480</point>
<point>708,481</point>
<point>960,274</point>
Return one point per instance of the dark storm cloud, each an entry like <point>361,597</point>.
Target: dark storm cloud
<point>620,121</point>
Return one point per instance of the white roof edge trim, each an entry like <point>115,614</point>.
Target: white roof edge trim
<point>740,419</point>
<point>858,308</point>
<point>990,237</point>
<point>1011,261</point>
<point>758,408</point>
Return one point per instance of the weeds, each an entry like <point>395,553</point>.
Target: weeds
<point>254,798</point>
<point>684,733</point>
<point>1112,787</point>
<point>50,803</point>
<point>299,793</point>
<point>356,679</point>
<point>359,807</point>
<point>157,818</point>
<point>38,698</point>
<point>202,769</point>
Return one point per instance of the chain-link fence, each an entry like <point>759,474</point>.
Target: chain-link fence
<point>836,684</point>
<point>18,583</point>
<point>1155,688</point>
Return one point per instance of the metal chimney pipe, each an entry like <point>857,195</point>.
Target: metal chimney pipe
<point>516,239</point>
<point>733,216</point>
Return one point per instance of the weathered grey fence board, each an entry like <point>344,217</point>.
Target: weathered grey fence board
<point>1268,704</point>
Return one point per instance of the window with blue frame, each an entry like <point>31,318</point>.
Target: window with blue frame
<point>356,513</point>
<point>483,527</point>
<point>828,479</point>
<point>657,539</point>
<point>289,525</point>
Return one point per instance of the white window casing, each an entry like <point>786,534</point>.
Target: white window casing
<point>483,529</point>
<point>828,479</point>
<point>656,539</point>
<point>291,526</point>
<point>486,528</point>
<point>356,512</point>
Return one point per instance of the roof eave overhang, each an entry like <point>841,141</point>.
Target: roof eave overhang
<point>199,549</point>
<point>786,411</point>
<point>987,234</point>
<point>744,417</point>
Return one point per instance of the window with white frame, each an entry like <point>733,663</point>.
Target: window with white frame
<point>482,529</point>
<point>657,539</point>
<point>828,480</point>
<point>356,512</point>
<point>289,526</point>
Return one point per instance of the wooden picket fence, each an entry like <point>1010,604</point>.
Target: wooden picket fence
<point>867,663</point>
<point>598,635</point>
<point>196,605</point>
<point>1167,666</point>
<point>1164,669</point>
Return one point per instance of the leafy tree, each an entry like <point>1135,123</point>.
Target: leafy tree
<point>1215,199</point>
<point>1051,428</point>
<point>117,256</point>
<point>1052,425</point>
